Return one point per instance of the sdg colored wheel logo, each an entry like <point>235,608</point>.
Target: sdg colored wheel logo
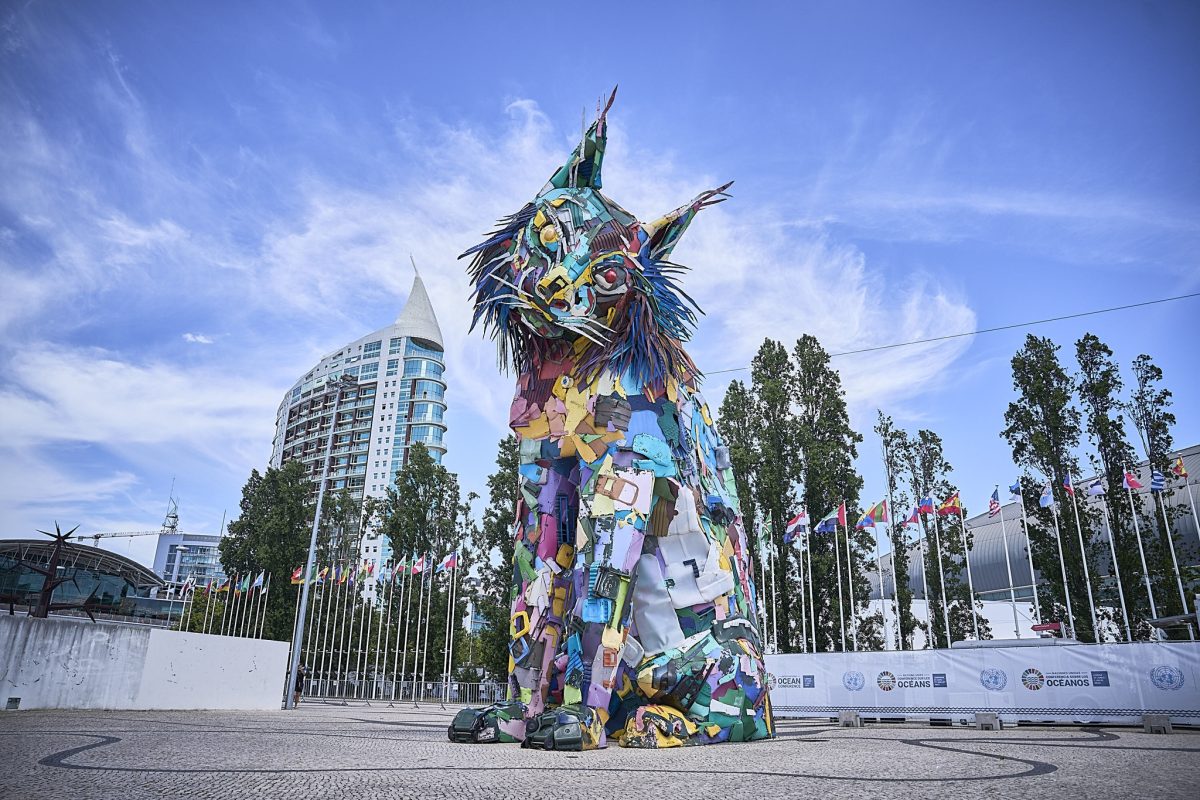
<point>853,680</point>
<point>993,679</point>
<point>886,681</point>
<point>1033,679</point>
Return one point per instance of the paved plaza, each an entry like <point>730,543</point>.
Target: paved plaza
<point>325,751</point>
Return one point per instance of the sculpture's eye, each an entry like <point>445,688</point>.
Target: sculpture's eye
<point>548,234</point>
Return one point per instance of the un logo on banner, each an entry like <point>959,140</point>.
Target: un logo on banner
<point>853,680</point>
<point>886,681</point>
<point>1033,679</point>
<point>993,679</point>
<point>1165,677</point>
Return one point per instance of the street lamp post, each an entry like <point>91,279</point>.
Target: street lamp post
<point>179,551</point>
<point>342,384</point>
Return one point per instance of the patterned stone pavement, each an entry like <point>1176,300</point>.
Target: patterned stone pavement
<point>324,751</point>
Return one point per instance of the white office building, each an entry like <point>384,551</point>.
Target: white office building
<point>400,400</point>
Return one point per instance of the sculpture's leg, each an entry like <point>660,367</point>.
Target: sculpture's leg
<point>710,689</point>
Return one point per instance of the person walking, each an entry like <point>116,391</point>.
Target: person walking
<point>301,674</point>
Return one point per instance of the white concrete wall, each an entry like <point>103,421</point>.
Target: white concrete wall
<point>71,663</point>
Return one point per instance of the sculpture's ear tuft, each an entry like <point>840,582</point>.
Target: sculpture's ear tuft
<point>583,168</point>
<point>665,232</point>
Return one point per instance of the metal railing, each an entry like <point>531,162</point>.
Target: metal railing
<point>383,689</point>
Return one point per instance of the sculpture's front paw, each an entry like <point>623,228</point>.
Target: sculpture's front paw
<point>501,722</point>
<point>570,727</point>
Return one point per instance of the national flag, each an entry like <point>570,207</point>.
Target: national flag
<point>914,518</point>
<point>258,582</point>
<point>449,562</point>
<point>1158,481</point>
<point>1015,488</point>
<point>994,503</point>
<point>952,505</point>
<point>418,565</point>
<point>1178,469</point>
<point>1067,485</point>
<point>208,588</point>
<point>1095,488</point>
<point>1131,481</point>
<point>297,574</point>
<point>796,526</point>
<point>246,582</point>
<point>223,586</point>
<point>925,505</point>
<point>1047,498</point>
<point>873,516</point>
<point>830,521</point>
<point>881,511</point>
<point>340,575</point>
<point>865,521</point>
<point>321,576</point>
<point>188,585</point>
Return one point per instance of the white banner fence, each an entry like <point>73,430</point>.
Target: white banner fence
<point>1109,683</point>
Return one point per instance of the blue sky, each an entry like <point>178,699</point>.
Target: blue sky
<point>200,199</point>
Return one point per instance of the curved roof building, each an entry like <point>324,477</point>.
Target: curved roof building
<point>400,400</point>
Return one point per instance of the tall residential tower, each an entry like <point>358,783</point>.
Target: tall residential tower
<point>400,400</point>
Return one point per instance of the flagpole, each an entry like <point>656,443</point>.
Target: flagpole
<point>352,599</point>
<point>445,644</point>
<point>343,595</point>
<point>380,595</point>
<point>850,578</point>
<point>262,620</point>
<point>1012,592</point>
<point>837,552</point>
<point>417,637</point>
<point>1141,552</point>
<point>1112,546</point>
<point>1087,573</point>
<point>937,543</point>
<point>774,587</point>
<point>364,636</point>
<point>207,606</point>
<point>967,557</point>
<point>811,605</point>
<point>925,583</point>
<point>803,610</point>
<point>1037,606</point>
<point>1063,565</point>
<point>891,507</point>
<point>428,611</point>
<point>456,579</point>
<point>887,638</point>
<point>1162,503</point>
<point>227,604</point>
<point>387,627</point>
<point>320,634</point>
<point>402,663</point>
<point>762,585</point>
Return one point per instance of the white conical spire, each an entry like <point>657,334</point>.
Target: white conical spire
<point>417,319</point>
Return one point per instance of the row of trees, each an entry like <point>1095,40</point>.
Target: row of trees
<point>793,447</point>
<point>423,514</point>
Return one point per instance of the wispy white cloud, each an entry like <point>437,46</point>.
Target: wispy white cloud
<point>197,338</point>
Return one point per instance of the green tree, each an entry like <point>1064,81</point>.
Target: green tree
<point>893,441</point>
<point>825,448</point>
<point>1099,385</point>
<point>927,472</point>
<point>775,443</point>
<point>272,533</point>
<point>1150,409</point>
<point>1043,430</point>
<point>739,426</point>
<point>495,555</point>
<point>424,514</point>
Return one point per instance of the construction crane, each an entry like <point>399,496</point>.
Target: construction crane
<point>96,537</point>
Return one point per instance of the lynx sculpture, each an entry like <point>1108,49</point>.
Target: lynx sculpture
<point>633,602</point>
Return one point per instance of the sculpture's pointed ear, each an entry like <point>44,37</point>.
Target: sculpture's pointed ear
<point>582,170</point>
<point>666,231</point>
